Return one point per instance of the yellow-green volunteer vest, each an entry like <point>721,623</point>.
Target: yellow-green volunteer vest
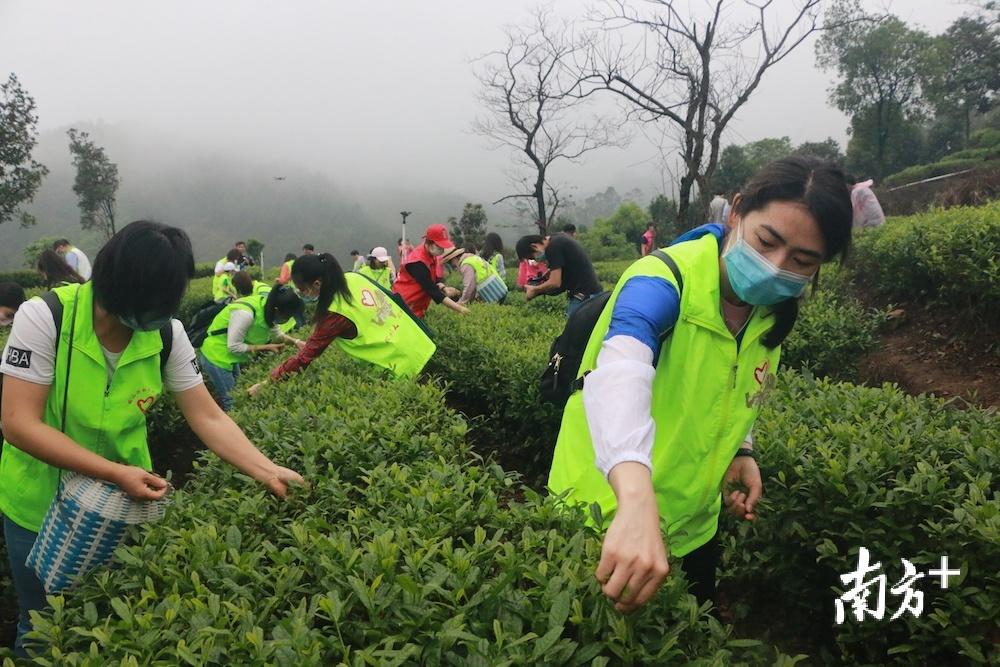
<point>263,289</point>
<point>381,276</point>
<point>216,347</point>
<point>387,336</point>
<point>706,396</point>
<point>108,419</point>
<point>483,268</point>
<point>222,286</point>
<point>495,262</point>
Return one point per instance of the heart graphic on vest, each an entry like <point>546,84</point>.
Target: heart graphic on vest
<point>145,404</point>
<point>760,372</point>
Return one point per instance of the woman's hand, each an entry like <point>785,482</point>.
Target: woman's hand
<point>140,484</point>
<point>280,479</point>
<point>744,471</point>
<point>300,344</point>
<point>268,347</point>
<point>633,557</point>
<point>256,388</point>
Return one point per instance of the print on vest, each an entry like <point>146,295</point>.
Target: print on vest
<point>18,358</point>
<point>379,301</point>
<point>196,366</point>
<point>143,399</point>
<point>767,381</point>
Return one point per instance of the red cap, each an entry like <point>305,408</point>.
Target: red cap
<point>439,235</point>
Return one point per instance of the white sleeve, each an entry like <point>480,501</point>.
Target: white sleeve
<point>748,441</point>
<point>240,322</point>
<point>617,399</point>
<point>218,266</point>
<point>31,348</point>
<point>182,371</point>
<point>84,268</point>
<point>72,259</point>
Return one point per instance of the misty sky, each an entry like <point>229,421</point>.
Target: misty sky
<point>368,92</point>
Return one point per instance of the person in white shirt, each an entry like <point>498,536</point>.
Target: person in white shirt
<point>74,257</point>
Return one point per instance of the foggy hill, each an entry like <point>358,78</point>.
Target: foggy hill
<point>220,196</point>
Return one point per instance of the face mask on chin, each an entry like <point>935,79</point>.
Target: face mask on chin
<point>435,250</point>
<point>138,324</point>
<point>754,279</point>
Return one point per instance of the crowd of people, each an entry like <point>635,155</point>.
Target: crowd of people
<point>670,385</point>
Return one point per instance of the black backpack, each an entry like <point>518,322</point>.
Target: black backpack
<point>559,379</point>
<point>197,328</point>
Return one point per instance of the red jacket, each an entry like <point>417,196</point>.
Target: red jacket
<point>407,287</point>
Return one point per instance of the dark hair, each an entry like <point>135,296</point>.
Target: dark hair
<point>355,253</point>
<point>308,246</point>
<point>569,228</point>
<point>233,255</point>
<point>373,262</point>
<point>471,247</point>
<point>11,295</point>
<point>56,270</point>
<point>282,300</point>
<point>650,224</point>
<point>289,256</point>
<point>243,283</point>
<point>492,245</point>
<point>323,267</point>
<point>400,241</point>
<point>143,270</point>
<point>523,248</point>
<point>239,243</point>
<point>821,187</point>
<point>60,243</point>
<point>851,179</point>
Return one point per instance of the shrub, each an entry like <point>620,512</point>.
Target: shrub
<point>832,334</point>
<point>401,551</point>
<point>848,467</point>
<point>24,278</point>
<point>942,256</point>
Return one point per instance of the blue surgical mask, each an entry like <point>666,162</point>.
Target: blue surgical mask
<point>757,281</point>
<point>137,325</point>
<point>310,298</point>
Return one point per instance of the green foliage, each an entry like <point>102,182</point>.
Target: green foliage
<point>737,163</point>
<point>847,467</point>
<point>401,551</point>
<point>34,249</point>
<point>988,137</point>
<point>20,174</point>
<point>24,278</point>
<point>470,229</point>
<point>970,158</point>
<point>96,183</point>
<point>617,236</point>
<point>947,256</point>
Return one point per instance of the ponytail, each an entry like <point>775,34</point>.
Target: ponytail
<point>324,268</point>
<point>281,299</point>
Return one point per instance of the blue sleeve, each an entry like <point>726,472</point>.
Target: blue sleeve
<point>645,308</point>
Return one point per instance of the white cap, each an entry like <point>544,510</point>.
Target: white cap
<point>380,253</point>
<point>228,266</point>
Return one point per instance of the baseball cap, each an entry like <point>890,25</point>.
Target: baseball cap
<point>380,253</point>
<point>439,235</point>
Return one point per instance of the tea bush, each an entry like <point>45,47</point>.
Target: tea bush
<point>848,467</point>
<point>833,332</point>
<point>943,256</point>
<point>403,550</point>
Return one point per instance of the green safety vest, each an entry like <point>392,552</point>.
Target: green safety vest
<point>216,346</point>
<point>495,262</point>
<point>222,286</point>
<point>387,336</point>
<point>261,288</point>
<point>483,268</point>
<point>706,396</point>
<point>108,419</point>
<point>382,276</point>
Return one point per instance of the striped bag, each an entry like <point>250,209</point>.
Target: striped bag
<point>492,290</point>
<point>83,527</point>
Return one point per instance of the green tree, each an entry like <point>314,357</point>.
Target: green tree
<point>20,174</point>
<point>663,214</point>
<point>96,183</point>
<point>828,149</point>
<point>470,229</point>
<point>965,76</point>
<point>256,250</point>
<point>880,63</point>
<point>865,157</point>
<point>733,171</point>
<point>35,248</point>
<point>767,150</point>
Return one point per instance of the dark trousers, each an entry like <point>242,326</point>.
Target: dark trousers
<point>700,567</point>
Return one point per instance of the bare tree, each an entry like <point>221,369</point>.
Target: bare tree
<point>696,73</point>
<point>527,89</point>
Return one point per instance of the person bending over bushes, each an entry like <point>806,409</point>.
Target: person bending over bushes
<point>366,321</point>
<point>663,421</point>
<point>78,401</point>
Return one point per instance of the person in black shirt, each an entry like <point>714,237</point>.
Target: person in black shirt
<point>570,269</point>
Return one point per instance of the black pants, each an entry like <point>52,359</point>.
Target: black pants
<point>700,567</point>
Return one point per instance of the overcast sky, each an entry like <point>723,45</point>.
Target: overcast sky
<point>368,92</point>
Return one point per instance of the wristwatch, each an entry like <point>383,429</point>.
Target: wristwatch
<point>745,451</point>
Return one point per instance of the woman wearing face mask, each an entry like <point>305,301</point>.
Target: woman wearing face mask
<point>420,276</point>
<point>676,375</point>
<point>364,320</point>
<point>78,400</point>
<point>243,327</point>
